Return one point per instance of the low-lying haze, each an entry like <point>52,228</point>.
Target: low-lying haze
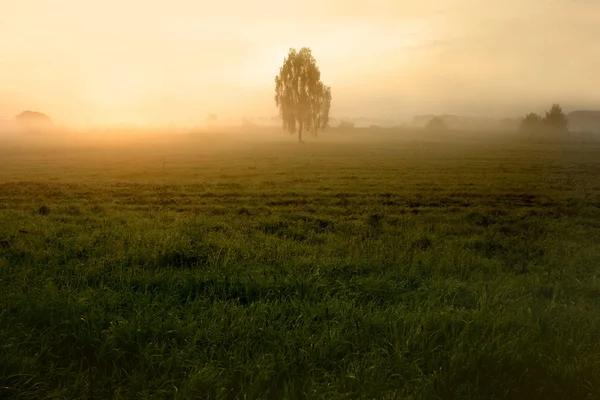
<point>153,62</point>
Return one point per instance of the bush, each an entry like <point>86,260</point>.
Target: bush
<point>531,123</point>
<point>436,124</point>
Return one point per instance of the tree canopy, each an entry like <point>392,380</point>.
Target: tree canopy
<point>436,124</point>
<point>556,119</point>
<point>531,123</point>
<point>303,100</point>
<point>33,117</point>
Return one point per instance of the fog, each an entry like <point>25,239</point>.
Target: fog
<point>138,62</point>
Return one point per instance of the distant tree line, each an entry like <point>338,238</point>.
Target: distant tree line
<point>554,120</point>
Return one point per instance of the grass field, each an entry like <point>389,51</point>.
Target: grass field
<point>198,267</point>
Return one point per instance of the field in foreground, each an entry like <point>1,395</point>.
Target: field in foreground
<point>409,269</point>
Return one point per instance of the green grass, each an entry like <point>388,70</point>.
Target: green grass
<point>407,269</point>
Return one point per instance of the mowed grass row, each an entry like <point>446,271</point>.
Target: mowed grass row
<point>407,269</point>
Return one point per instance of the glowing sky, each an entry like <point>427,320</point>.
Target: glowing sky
<point>155,61</point>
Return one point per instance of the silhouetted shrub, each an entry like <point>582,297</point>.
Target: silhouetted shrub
<point>531,123</point>
<point>436,124</point>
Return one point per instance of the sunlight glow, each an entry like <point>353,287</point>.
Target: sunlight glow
<point>182,59</point>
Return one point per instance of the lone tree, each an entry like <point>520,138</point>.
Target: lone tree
<point>302,98</point>
<point>556,119</point>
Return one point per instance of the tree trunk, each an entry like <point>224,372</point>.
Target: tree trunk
<point>300,134</point>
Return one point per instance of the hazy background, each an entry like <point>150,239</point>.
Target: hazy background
<point>141,61</point>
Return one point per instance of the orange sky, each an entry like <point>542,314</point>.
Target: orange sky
<point>155,61</point>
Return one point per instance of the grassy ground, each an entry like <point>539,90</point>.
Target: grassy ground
<point>194,268</point>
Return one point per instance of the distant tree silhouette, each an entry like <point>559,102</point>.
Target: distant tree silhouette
<point>211,117</point>
<point>34,122</point>
<point>436,124</point>
<point>346,124</point>
<point>302,98</point>
<point>531,123</point>
<point>556,119</point>
<point>34,117</point>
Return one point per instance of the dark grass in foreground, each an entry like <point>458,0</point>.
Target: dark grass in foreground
<point>406,269</point>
